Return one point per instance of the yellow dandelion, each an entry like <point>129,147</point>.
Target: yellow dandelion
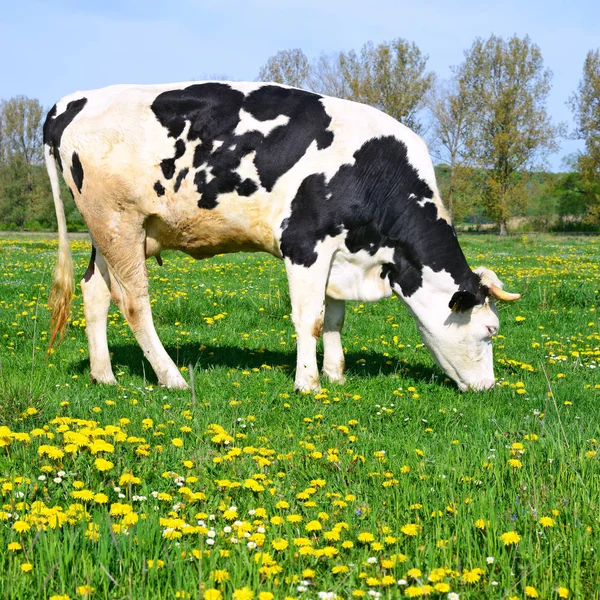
<point>510,537</point>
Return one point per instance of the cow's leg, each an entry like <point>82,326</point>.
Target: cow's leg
<point>95,286</point>
<point>125,256</point>
<point>307,295</point>
<point>333,352</point>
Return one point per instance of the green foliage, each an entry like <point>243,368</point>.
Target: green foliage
<point>289,67</point>
<point>585,104</point>
<point>390,76</point>
<point>505,86</point>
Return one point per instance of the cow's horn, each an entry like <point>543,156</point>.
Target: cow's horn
<point>500,294</point>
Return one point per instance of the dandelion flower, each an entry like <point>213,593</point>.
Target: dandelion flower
<point>510,537</point>
<point>547,522</point>
<point>411,529</point>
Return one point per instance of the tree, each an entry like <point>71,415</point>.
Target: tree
<point>585,104</point>
<point>390,76</point>
<point>23,186</point>
<point>327,76</point>
<point>290,67</point>
<point>505,86</point>
<point>450,128</point>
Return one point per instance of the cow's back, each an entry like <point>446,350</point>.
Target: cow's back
<point>213,166</point>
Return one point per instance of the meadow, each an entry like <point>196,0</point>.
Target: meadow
<point>392,485</point>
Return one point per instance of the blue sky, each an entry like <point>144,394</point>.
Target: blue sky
<point>50,48</point>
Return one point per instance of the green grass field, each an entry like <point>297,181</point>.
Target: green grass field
<point>392,485</point>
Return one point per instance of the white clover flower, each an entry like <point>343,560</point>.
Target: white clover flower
<point>490,560</point>
<point>453,596</point>
<point>57,480</point>
<point>42,478</point>
<point>61,473</point>
<point>402,582</point>
<point>372,560</point>
<point>226,529</point>
<point>212,533</point>
<point>210,542</point>
<point>251,545</point>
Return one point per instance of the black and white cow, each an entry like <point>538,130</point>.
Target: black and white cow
<point>343,193</point>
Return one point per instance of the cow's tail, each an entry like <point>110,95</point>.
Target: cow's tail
<point>61,293</point>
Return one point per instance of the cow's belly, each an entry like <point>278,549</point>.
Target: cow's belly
<point>235,225</point>
<point>358,276</point>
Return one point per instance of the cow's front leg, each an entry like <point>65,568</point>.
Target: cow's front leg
<point>307,294</point>
<point>333,359</point>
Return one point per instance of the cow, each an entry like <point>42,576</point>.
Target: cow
<point>343,193</point>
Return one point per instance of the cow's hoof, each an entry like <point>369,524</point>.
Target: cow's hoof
<point>308,387</point>
<point>335,377</point>
<point>103,379</point>
<point>175,382</point>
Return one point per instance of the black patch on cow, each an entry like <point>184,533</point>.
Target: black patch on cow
<point>213,112</point>
<point>54,126</point>
<point>77,171</point>
<point>159,189</point>
<point>462,301</point>
<point>285,145</point>
<point>90,270</point>
<point>168,167</point>
<point>168,164</point>
<point>373,201</point>
<point>180,177</point>
<point>247,188</point>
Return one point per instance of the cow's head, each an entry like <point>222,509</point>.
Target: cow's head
<point>457,324</point>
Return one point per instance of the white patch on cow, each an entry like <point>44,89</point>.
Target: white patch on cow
<point>459,342</point>
<point>247,170</point>
<point>217,144</point>
<point>357,276</point>
<point>249,123</point>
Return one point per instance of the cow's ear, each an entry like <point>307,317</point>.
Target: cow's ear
<point>462,301</point>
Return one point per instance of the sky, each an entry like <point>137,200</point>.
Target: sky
<point>51,48</point>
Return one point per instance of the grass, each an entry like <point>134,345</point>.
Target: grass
<point>394,484</point>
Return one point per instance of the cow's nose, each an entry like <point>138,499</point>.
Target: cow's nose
<point>484,384</point>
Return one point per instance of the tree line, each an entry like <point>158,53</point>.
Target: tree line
<point>487,126</point>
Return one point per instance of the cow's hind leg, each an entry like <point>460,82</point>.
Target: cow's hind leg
<point>307,295</point>
<point>333,352</point>
<point>125,256</point>
<point>95,286</point>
